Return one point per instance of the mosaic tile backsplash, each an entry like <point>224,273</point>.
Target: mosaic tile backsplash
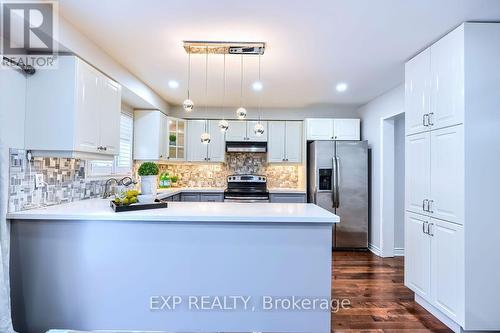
<point>214,175</point>
<point>64,177</point>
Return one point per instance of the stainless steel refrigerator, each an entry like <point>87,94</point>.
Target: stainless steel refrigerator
<point>338,182</point>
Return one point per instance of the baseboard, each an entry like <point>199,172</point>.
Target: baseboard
<point>375,249</point>
<point>438,314</point>
<point>399,252</point>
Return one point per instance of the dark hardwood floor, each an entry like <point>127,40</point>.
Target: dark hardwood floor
<point>379,300</point>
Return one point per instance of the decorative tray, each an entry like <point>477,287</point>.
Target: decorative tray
<point>138,206</point>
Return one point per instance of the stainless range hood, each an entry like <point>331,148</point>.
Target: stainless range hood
<point>246,147</point>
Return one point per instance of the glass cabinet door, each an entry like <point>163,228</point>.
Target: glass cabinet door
<point>176,138</point>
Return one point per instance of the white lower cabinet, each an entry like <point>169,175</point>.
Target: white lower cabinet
<point>434,266</point>
<point>447,267</point>
<point>417,254</point>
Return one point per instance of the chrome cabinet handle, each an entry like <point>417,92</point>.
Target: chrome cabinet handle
<point>429,232</point>
<point>423,227</point>
<point>430,206</point>
<point>425,205</point>
<point>425,119</point>
<point>431,120</point>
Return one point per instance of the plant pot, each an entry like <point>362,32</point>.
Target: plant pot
<point>149,185</point>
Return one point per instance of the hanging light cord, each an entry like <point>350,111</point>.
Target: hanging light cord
<point>224,86</point>
<point>241,83</point>
<point>206,88</point>
<point>189,69</point>
<point>260,92</point>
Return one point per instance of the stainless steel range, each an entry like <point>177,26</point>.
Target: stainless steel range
<point>246,188</point>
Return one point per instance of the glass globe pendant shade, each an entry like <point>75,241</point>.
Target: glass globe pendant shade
<point>188,105</point>
<point>223,125</point>
<point>241,113</point>
<point>205,138</point>
<point>258,129</point>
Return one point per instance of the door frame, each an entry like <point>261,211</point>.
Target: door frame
<point>386,194</point>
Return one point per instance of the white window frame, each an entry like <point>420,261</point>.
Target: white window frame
<point>110,168</point>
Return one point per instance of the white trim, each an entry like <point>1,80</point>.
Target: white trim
<point>374,249</point>
<point>438,314</point>
<point>399,252</point>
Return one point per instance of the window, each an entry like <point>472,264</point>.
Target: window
<point>122,164</point>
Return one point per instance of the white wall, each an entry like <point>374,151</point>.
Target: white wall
<point>323,111</point>
<point>399,181</point>
<point>390,103</point>
<point>134,92</point>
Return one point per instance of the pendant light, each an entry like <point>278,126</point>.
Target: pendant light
<point>241,112</point>
<point>259,128</point>
<point>223,124</point>
<point>205,137</point>
<point>188,104</point>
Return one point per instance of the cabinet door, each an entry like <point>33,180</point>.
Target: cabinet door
<point>197,151</point>
<point>447,174</point>
<point>211,197</point>
<point>319,129</point>
<point>109,115</point>
<point>346,129</point>
<point>276,141</point>
<point>417,255</point>
<point>237,131</point>
<point>147,134</point>
<point>87,124</point>
<point>293,141</point>
<point>217,145</point>
<point>288,198</point>
<point>191,197</point>
<point>417,92</point>
<point>251,133</point>
<point>418,175</point>
<point>447,70</point>
<point>163,138</point>
<point>447,250</point>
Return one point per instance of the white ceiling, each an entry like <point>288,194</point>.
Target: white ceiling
<point>312,45</point>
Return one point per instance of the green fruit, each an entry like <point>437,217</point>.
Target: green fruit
<point>133,200</point>
<point>125,201</point>
<point>117,201</point>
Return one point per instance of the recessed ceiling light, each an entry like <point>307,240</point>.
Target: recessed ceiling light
<point>173,84</point>
<point>341,87</point>
<point>257,86</point>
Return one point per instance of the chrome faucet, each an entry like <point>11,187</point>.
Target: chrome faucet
<point>124,181</point>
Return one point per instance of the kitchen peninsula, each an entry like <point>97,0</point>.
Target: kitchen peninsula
<point>81,266</point>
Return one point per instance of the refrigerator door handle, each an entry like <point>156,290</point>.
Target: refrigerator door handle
<point>334,181</point>
<point>337,175</point>
<point>315,193</point>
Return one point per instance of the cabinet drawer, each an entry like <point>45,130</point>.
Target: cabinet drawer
<point>211,197</point>
<point>190,197</point>
<point>288,198</point>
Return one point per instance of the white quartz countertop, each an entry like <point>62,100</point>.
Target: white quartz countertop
<point>99,209</point>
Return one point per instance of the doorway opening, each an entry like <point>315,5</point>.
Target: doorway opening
<point>393,185</point>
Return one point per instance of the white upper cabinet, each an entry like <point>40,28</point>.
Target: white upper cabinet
<point>200,152</point>
<point>86,105</point>
<point>417,254</point>
<point>418,166</point>
<point>176,139</point>
<point>447,71</point>
<point>332,129</point>
<point>319,129</point>
<point>150,135</point>
<point>447,174</point>
<point>346,129</point>
<point>417,92</point>
<point>243,130</point>
<point>285,141</point>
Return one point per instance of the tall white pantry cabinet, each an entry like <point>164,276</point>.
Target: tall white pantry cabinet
<point>452,227</point>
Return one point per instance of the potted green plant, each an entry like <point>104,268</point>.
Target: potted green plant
<point>174,180</point>
<point>173,139</point>
<point>148,171</point>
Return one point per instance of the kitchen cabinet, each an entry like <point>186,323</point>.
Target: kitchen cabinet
<point>435,175</point>
<point>418,171</point>
<point>287,198</point>
<point>417,254</point>
<point>200,152</point>
<point>150,135</point>
<point>243,130</point>
<point>285,141</point>
<point>418,92</point>
<point>211,197</point>
<point>332,129</point>
<point>447,267</point>
<point>86,105</point>
<point>456,155</point>
<point>447,174</point>
<point>434,85</point>
<point>190,197</point>
<point>176,139</point>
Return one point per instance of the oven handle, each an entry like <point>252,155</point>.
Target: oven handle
<point>247,201</point>
<point>245,198</point>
